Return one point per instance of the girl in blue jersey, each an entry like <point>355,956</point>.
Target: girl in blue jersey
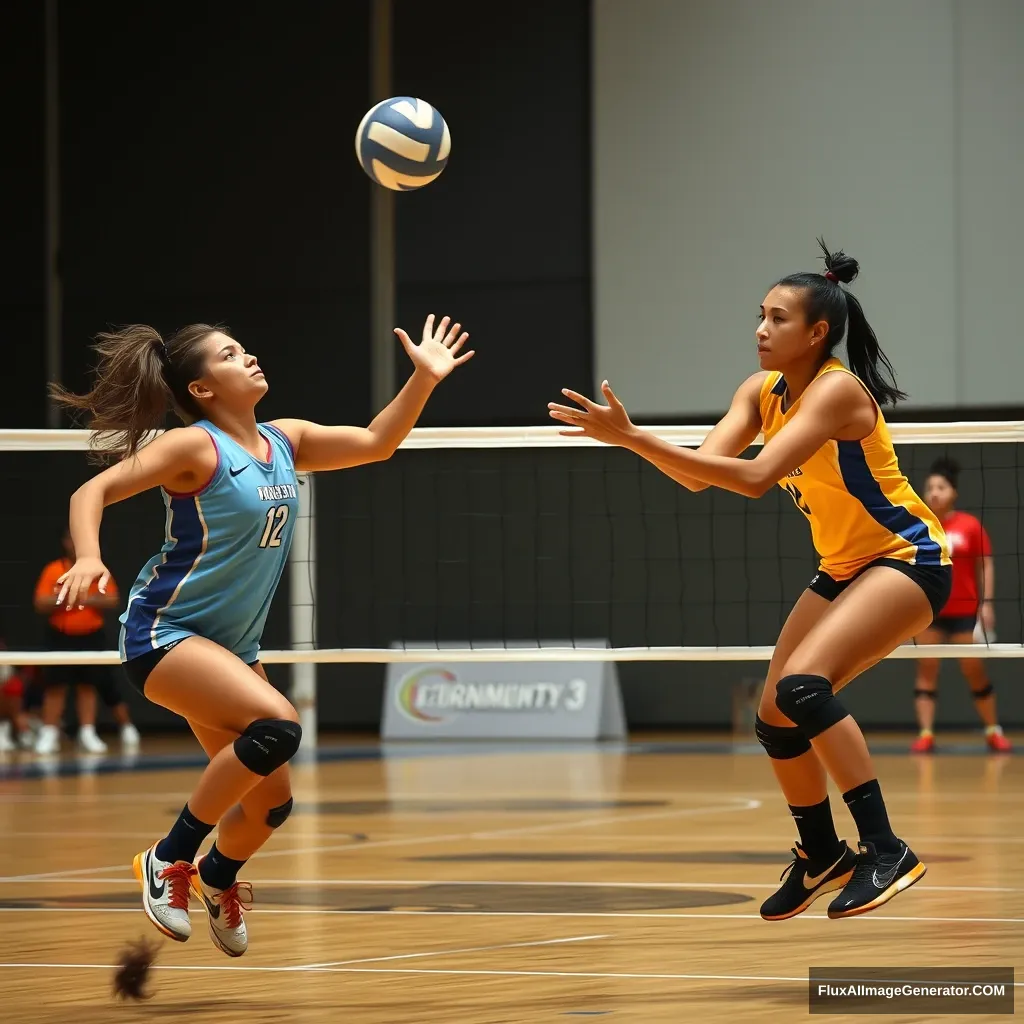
<point>190,634</point>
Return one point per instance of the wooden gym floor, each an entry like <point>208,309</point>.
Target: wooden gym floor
<point>489,884</point>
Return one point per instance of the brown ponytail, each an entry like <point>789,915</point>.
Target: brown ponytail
<point>139,379</point>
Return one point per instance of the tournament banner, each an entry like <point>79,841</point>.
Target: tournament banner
<point>433,699</point>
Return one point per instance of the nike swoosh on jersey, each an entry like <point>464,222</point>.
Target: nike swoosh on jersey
<point>241,469</point>
<point>886,880</point>
<point>811,882</point>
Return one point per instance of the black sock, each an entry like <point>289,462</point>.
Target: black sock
<point>184,839</point>
<point>817,830</point>
<point>219,871</point>
<point>868,810</point>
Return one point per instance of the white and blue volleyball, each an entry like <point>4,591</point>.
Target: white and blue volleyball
<point>403,143</point>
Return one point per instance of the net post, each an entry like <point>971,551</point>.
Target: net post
<point>54,293</point>
<point>302,606</point>
<point>382,226</point>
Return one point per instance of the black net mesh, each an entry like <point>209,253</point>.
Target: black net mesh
<point>496,545</point>
<point>574,544</point>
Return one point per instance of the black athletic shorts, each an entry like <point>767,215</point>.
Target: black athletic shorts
<point>935,580</point>
<point>951,624</point>
<point>138,669</point>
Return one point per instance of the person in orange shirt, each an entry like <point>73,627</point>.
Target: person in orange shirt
<point>78,629</point>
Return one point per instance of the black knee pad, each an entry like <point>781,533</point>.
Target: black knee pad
<point>277,816</point>
<point>810,703</point>
<point>781,742</point>
<point>267,744</point>
<point>985,691</point>
<point>930,694</point>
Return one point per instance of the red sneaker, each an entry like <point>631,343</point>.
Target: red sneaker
<point>999,743</point>
<point>924,744</point>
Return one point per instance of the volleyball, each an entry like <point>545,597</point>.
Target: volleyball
<point>403,143</point>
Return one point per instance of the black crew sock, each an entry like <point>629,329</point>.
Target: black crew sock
<point>817,831</point>
<point>868,810</point>
<point>219,871</point>
<point>184,839</point>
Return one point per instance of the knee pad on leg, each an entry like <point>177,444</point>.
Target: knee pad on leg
<point>930,694</point>
<point>267,744</point>
<point>810,703</point>
<point>781,743</point>
<point>277,816</point>
<point>985,691</point>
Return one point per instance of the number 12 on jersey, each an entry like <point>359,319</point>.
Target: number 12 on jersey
<point>276,518</point>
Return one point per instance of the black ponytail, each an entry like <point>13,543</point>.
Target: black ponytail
<point>827,300</point>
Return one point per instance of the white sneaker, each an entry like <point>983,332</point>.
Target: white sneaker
<point>224,911</point>
<point>48,740</point>
<point>130,738</point>
<point>89,741</point>
<point>7,744</point>
<point>165,893</point>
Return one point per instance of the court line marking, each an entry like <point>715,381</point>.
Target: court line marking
<point>452,952</point>
<point>681,812</point>
<point>623,914</point>
<point>356,882</point>
<point>435,970</point>
<point>301,795</point>
<point>739,804</point>
<point>704,839</point>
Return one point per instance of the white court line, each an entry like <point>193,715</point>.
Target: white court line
<point>739,804</point>
<point>626,915</point>
<point>355,882</point>
<point>432,970</point>
<point>703,839</point>
<point>454,837</point>
<point>452,952</point>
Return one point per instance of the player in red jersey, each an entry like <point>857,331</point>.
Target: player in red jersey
<point>962,614</point>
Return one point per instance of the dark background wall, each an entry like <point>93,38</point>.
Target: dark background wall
<point>208,174</point>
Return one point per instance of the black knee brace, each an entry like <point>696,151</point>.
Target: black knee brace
<point>780,742</point>
<point>930,694</point>
<point>267,744</point>
<point>277,816</point>
<point>810,703</point>
<point>985,691</point>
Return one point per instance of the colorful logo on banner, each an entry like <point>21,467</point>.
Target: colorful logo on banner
<point>411,693</point>
<point>432,695</point>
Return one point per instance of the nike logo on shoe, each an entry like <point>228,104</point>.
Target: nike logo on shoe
<point>155,893</point>
<point>241,469</point>
<point>884,881</point>
<point>213,909</point>
<point>811,882</point>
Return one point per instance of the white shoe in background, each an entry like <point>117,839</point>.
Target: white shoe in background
<point>7,744</point>
<point>89,741</point>
<point>48,740</point>
<point>130,738</point>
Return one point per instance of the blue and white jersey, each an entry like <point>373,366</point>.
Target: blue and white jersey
<point>224,553</point>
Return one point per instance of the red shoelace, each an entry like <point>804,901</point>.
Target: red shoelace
<point>178,877</point>
<point>234,900</point>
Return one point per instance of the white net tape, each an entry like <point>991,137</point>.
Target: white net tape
<point>1008,432</point>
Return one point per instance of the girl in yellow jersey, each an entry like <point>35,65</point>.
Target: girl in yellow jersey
<point>885,569</point>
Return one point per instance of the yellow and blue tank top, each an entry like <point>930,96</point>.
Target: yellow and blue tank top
<point>224,552</point>
<point>859,504</point>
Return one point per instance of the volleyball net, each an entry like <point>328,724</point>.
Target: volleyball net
<point>508,542</point>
